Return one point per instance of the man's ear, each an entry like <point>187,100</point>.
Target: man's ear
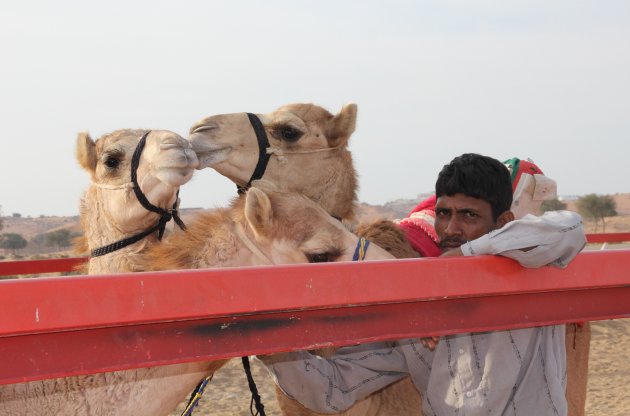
<point>507,216</point>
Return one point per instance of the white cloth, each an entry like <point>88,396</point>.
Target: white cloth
<point>507,373</point>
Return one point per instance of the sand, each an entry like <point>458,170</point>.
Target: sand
<point>609,374</point>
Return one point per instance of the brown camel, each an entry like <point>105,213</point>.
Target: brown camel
<point>308,148</point>
<point>255,230</point>
<point>309,154</point>
<point>110,212</point>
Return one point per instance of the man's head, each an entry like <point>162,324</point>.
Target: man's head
<point>474,194</point>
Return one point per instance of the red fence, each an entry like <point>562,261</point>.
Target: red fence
<point>608,237</point>
<point>60,326</point>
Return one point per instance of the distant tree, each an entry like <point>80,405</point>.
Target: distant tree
<point>16,215</point>
<point>597,208</point>
<point>59,238</point>
<point>553,205</point>
<point>12,241</point>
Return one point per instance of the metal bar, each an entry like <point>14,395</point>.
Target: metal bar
<point>10,268</point>
<point>85,352</point>
<point>64,303</point>
<point>608,238</point>
<point>80,325</point>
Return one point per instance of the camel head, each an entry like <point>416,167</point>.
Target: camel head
<point>109,208</point>
<point>308,149</point>
<point>290,228</point>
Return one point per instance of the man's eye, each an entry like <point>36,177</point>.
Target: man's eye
<point>112,162</point>
<point>319,258</point>
<point>471,214</point>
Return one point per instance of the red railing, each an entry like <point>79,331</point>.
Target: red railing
<point>608,238</point>
<point>61,326</point>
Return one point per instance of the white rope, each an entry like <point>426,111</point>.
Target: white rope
<point>127,185</point>
<point>271,150</point>
<point>251,246</point>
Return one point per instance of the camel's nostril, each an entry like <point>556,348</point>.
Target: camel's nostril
<point>174,143</point>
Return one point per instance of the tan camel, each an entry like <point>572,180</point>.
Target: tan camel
<point>400,398</point>
<point>257,232</point>
<point>309,155</point>
<point>110,212</point>
<point>308,147</point>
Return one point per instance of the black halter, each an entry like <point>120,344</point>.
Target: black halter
<point>165,215</point>
<point>263,156</point>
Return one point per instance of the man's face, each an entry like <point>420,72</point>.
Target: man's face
<point>460,218</point>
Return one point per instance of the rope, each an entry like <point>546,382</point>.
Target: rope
<point>361,250</point>
<point>260,409</point>
<point>195,396</point>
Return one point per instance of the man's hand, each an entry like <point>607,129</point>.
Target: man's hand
<point>455,252</point>
<point>430,342</point>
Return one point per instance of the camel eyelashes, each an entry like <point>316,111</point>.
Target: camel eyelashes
<point>112,161</point>
<point>287,133</point>
<point>325,257</point>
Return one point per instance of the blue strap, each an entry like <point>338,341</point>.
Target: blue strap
<point>359,252</point>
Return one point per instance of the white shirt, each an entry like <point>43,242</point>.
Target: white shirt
<point>509,373</point>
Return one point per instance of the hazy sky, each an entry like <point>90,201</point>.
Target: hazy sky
<point>549,80</point>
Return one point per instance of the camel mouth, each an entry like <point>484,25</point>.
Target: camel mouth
<point>210,157</point>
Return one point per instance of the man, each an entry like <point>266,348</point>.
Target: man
<point>502,372</point>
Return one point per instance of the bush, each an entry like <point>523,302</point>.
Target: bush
<point>13,242</point>
<point>597,207</point>
<point>553,205</point>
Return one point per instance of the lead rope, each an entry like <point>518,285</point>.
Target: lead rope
<point>195,396</point>
<point>255,402</point>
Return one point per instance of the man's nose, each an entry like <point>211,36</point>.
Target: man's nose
<point>452,228</point>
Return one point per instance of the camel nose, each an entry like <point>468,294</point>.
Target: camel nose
<point>174,142</point>
<point>203,125</point>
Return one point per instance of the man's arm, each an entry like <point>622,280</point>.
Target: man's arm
<point>554,238</point>
<point>331,385</point>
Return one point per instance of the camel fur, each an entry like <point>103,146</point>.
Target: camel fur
<point>310,156</point>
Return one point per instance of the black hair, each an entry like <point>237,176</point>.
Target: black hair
<point>479,177</point>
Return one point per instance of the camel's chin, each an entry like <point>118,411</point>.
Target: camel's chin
<point>174,177</point>
<point>211,158</point>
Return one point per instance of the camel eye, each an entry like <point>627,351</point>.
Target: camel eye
<point>112,162</point>
<point>288,133</point>
<point>318,258</point>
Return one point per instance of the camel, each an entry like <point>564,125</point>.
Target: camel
<point>110,212</point>
<point>308,152</point>
<point>308,148</point>
<point>255,230</point>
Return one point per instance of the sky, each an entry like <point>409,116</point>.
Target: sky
<point>539,79</point>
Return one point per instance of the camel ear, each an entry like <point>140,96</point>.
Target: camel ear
<point>342,125</point>
<point>86,152</point>
<point>258,212</point>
